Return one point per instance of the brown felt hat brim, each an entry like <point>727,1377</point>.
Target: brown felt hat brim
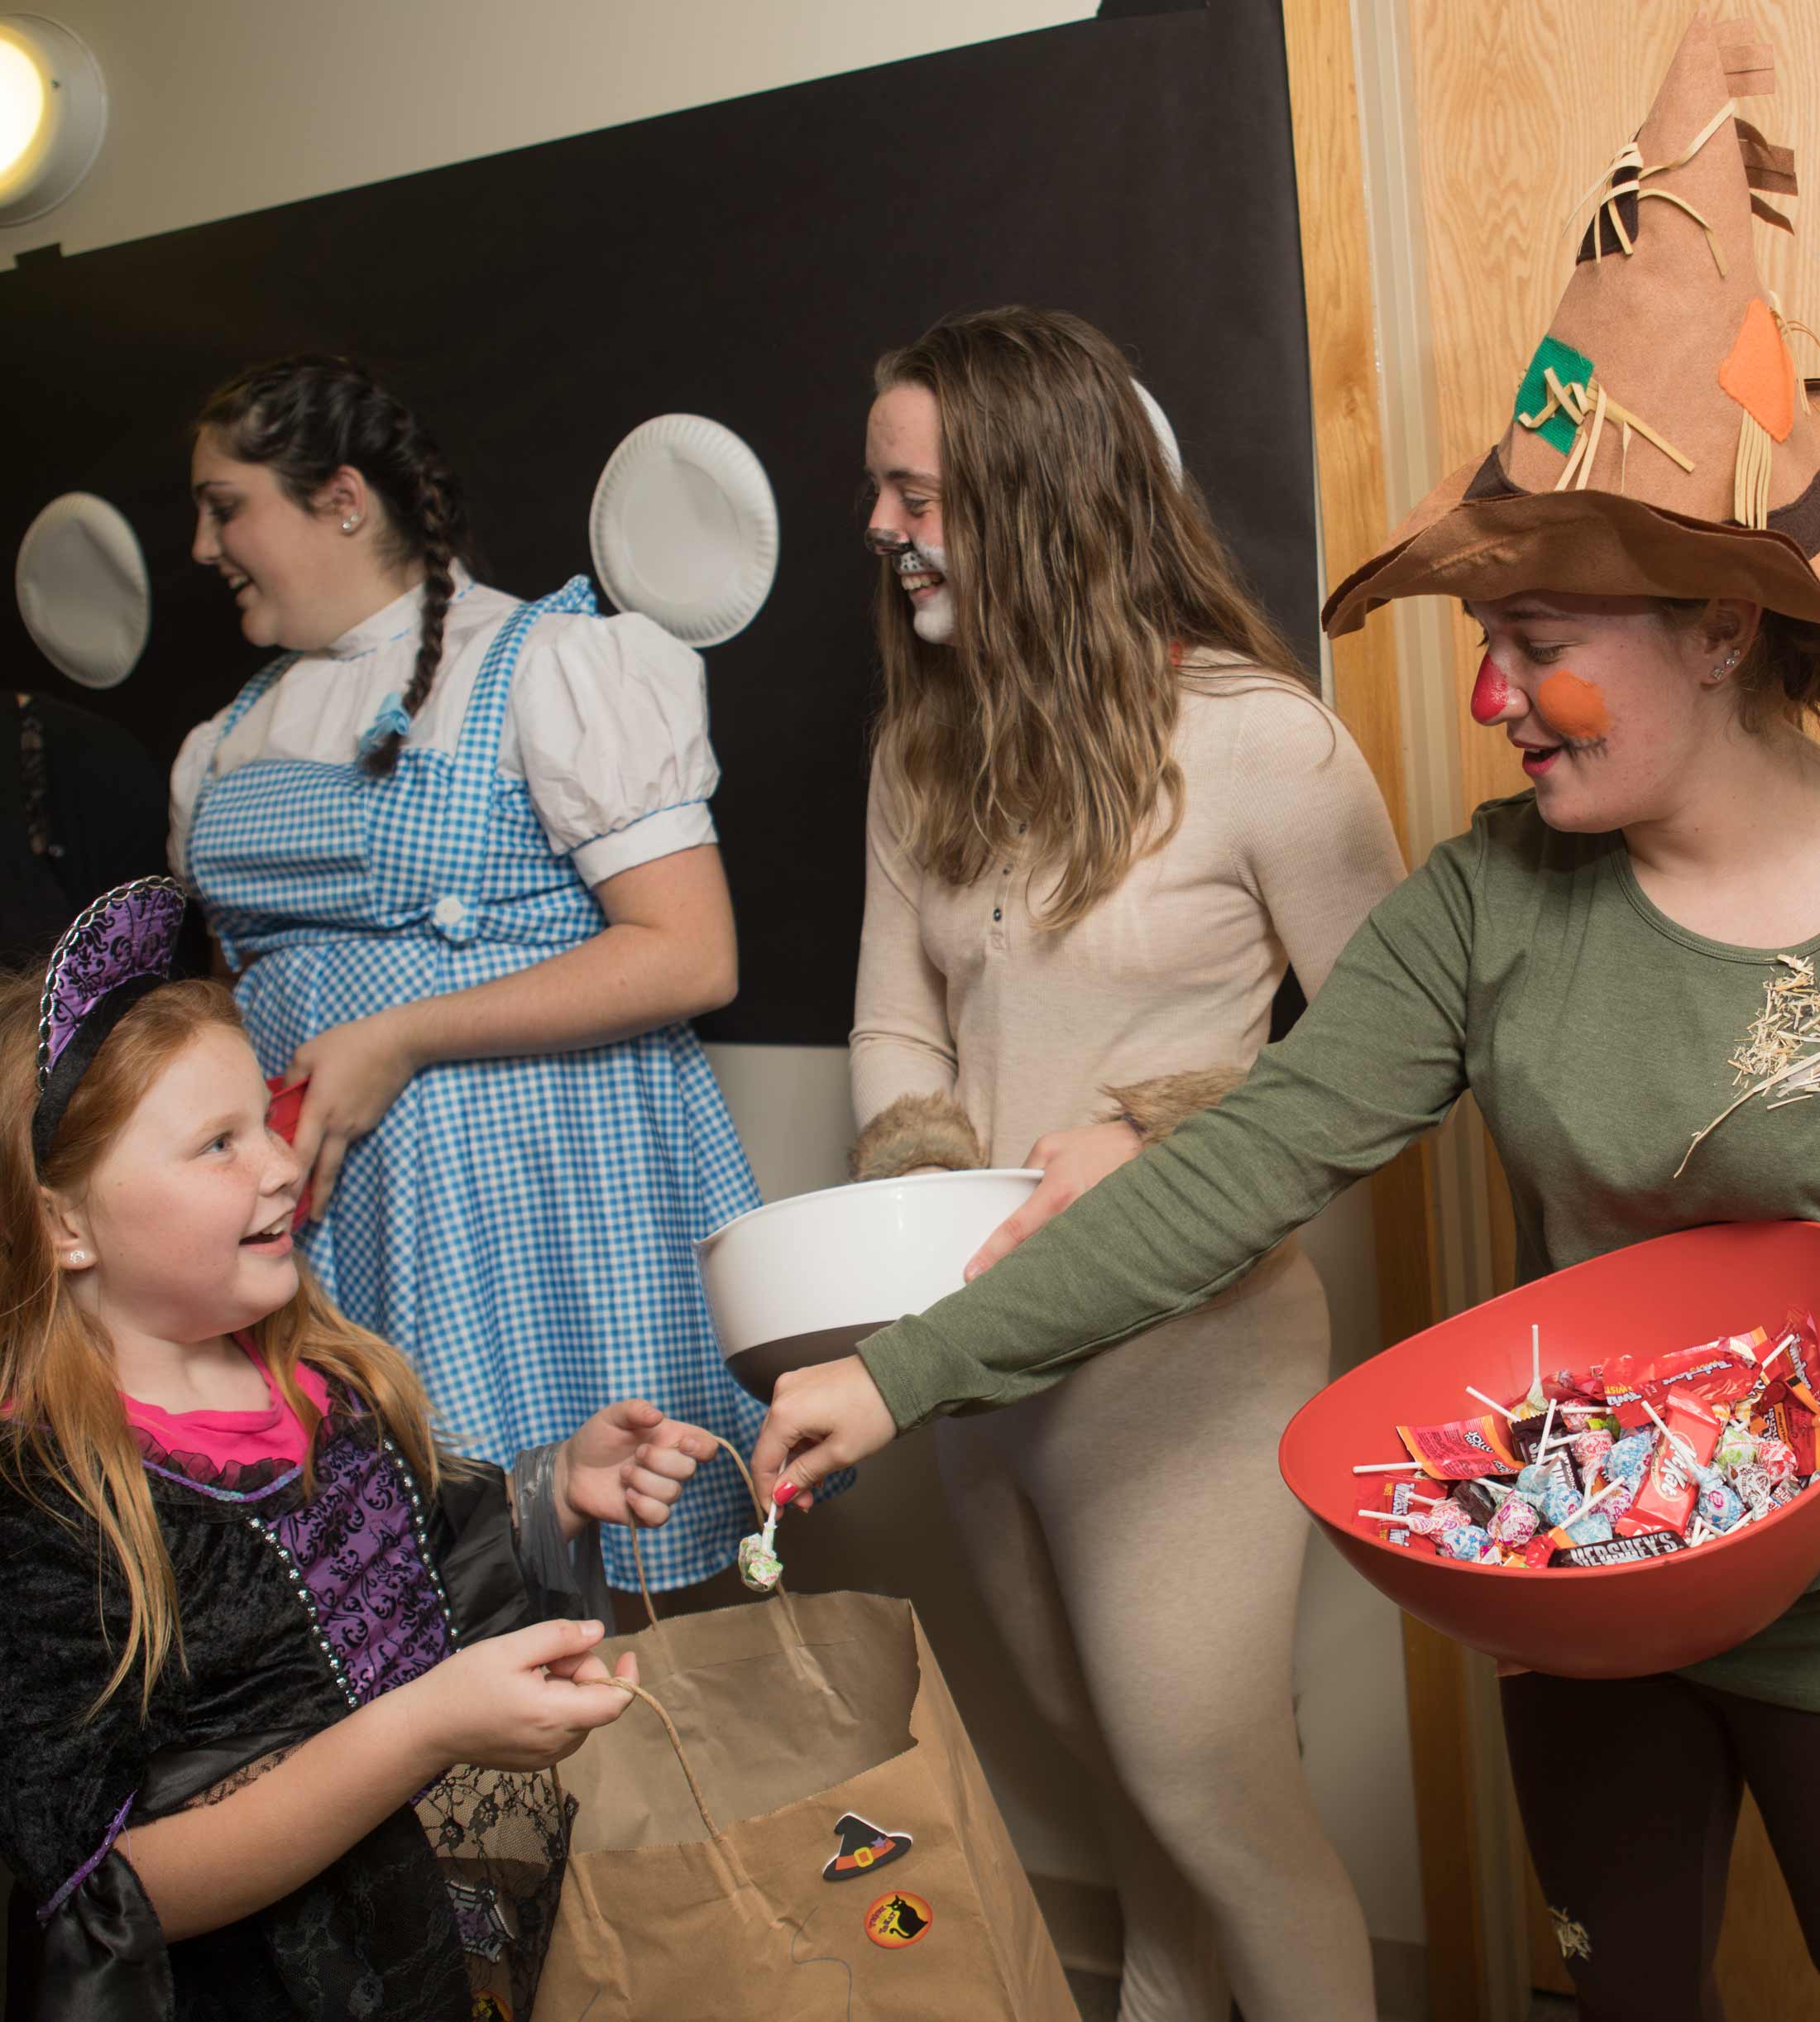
<point>1593,543</point>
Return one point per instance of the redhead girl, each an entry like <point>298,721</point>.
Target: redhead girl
<point>253,1612</point>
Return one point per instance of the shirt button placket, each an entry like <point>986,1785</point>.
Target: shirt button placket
<point>996,937</point>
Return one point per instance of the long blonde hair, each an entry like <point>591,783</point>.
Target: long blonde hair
<point>1081,566</point>
<point>62,1425</point>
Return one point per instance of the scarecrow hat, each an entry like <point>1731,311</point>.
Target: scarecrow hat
<point>1661,443</point>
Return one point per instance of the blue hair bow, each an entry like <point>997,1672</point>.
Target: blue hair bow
<point>393,716</point>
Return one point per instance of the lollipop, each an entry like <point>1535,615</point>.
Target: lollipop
<point>1541,1476</point>
<point>1514,1522</point>
<point>1718,1502</point>
<point>1628,1458</point>
<point>1754,1487</point>
<point>1467,1541</point>
<point>760,1568</point>
<point>1589,1449</point>
<point>1737,1446</point>
<point>1426,1520</point>
<point>1776,1458</point>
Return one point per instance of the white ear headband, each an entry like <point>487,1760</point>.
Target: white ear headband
<point>1165,435</point>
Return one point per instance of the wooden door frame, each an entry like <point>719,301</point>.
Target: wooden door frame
<point>1427,1260</point>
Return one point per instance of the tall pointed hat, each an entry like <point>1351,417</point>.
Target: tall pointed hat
<point>1661,443</point>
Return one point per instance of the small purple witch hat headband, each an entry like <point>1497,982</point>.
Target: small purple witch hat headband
<point>117,949</point>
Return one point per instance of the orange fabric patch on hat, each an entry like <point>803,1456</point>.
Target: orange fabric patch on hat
<point>1759,374</point>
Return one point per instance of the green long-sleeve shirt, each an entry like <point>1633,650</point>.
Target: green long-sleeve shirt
<point>1594,1034</point>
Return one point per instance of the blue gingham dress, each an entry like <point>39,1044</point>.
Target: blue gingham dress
<point>521,1228</point>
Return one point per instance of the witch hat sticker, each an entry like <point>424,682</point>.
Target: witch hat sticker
<point>863,1847</point>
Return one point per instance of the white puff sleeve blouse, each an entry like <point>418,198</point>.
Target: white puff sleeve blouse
<point>607,724</point>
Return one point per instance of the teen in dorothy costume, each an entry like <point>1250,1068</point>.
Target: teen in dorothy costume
<point>459,849</point>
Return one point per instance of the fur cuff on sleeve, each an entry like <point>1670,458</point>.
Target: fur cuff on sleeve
<point>916,1130</point>
<point>1157,1107</point>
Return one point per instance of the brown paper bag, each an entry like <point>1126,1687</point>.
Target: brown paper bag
<point>798,1829</point>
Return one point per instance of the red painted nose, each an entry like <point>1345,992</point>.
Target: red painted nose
<point>1491,691</point>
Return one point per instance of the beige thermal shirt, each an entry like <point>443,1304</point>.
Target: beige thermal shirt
<point>1283,848</point>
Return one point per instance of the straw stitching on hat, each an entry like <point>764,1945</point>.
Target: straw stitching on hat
<point>1629,161</point>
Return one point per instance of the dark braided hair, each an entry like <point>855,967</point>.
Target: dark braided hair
<point>306,417</point>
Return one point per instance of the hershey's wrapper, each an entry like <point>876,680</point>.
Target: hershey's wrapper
<point>1622,1550</point>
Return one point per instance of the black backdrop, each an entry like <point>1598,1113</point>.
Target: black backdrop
<point>746,261</point>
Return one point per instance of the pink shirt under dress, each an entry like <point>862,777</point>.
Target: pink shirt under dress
<point>229,1445</point>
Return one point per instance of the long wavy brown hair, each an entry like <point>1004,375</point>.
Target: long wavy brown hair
<point>1080,565</point>
<point>62,1425</point>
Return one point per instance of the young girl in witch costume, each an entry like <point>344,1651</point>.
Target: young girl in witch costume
<point>251,1613</point>
<point>458,849</point>
<point>1639,549</point>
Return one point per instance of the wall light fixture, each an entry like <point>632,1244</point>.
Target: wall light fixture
<point>53,115</point>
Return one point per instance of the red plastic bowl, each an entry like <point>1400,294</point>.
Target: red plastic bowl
<point>1596,1621</point>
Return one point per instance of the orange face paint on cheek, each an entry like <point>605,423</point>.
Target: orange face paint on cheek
<point>1573,708</point>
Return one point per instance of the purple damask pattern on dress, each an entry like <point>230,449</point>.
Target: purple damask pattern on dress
<point>356,1543</point>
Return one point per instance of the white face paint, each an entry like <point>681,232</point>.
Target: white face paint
<point>922,575</point>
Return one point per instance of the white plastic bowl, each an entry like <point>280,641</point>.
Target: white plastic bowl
<point>803,1281</point>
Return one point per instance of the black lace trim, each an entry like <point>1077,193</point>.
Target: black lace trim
<point>500,1840</point>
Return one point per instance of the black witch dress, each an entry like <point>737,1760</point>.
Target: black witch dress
<point>294,1611</point>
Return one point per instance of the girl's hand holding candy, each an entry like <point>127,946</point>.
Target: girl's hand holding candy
<point>626,1465</point>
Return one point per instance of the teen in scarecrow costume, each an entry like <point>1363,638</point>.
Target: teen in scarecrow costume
<point>1639,549</point>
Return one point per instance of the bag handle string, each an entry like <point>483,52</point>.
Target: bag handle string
<point>638,1691</point>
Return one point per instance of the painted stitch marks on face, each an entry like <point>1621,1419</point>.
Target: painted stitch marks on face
<point>922,576</point>
<point>1575,710</point>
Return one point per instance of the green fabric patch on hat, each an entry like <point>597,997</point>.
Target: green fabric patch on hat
<point>1532,396</point>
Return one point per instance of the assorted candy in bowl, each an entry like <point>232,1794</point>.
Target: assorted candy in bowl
<point>1643,1506</point>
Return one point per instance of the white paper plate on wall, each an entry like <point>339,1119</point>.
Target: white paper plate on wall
<point>83,589</point>
<point>684,529</point>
